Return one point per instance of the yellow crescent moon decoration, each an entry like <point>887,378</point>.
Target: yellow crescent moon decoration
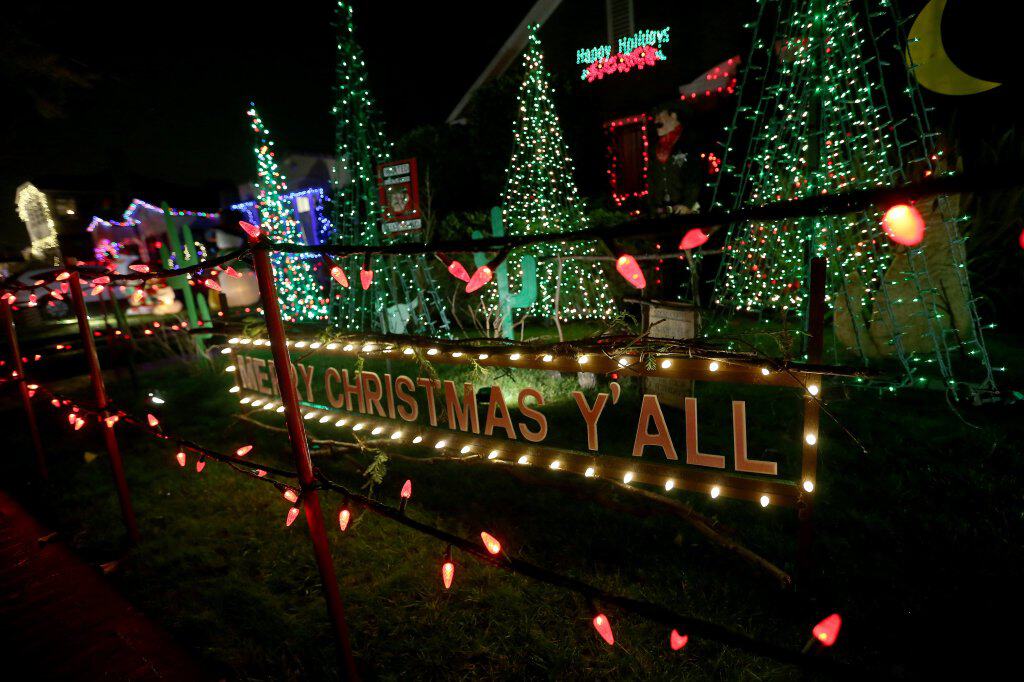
<point>935,70</point>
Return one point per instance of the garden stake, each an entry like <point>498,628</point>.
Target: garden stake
<point>100,393</point>
<point>26,400</point>
<point>303,463</point>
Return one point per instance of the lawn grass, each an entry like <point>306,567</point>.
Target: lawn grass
<point>918,546</point>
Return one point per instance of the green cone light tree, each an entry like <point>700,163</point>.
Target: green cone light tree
<point>403,295</point>
<point>301,296</point>
<point>540,196</point>
<point>825,107</point>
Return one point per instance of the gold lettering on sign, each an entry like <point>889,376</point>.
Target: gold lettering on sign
<point>739,438</point>
<point>591,415</point>
<point>260,374</point>
<point>352,389</point>
<point>428,385</point>
<point>693,455</point>
<point>331,377</point>
<point>371,394</point>
<point>307,379</point>
<point>650,409</point>
<point>541,432</point>
<point>409,409</point>
<point>466,415</point>
<point>495,405</point>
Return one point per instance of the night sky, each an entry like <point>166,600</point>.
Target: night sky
<point>161,91</point>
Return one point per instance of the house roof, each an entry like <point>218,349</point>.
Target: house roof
<point>506,55</point>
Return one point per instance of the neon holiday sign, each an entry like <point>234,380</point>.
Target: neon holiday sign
<point>642,49</point>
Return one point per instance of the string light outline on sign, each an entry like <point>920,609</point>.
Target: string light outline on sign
<point>453,445</point>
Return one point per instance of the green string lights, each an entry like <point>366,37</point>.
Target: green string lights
<point>819,113</point>
<point>540,196</point>
<point>403,295</point>
<point>301,296</point>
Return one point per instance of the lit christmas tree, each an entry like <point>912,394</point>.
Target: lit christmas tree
<point>540,196</point>
<point>818,114</point>
<point>403,295</point>
<point>301,296</point>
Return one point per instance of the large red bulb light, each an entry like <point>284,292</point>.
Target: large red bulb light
<point>481,277</point>
<point>407,490</point>
<point>827,630</point>
<point>344,516</point>
<point>447,574</point>
<point>693,239</point>
<point>604,628</point>
<point>630,270</point>
<point>677,641</point>
<point>490,542</point>
<point>458,271</point>
<point>250,229</point>
<point>365,278</point>
<point>904,225</point>
<point>339,276</point>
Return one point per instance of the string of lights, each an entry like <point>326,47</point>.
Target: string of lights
<point>851,201</point>
<point>488,550</point>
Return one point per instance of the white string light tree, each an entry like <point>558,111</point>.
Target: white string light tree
<point>826,107</point>
<point>391,294</point>
<point>540,196</point>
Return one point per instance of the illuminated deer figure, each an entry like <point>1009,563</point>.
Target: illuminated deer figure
<point>184,253</point>
<point>507,301</point>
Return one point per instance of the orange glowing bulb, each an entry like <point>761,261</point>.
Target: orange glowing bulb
<point>604,628</point>
<point>260,473</point>
<point>344,516</point>
<point>677,641</point>
<point>111,420</point>
<point>827,630</point>
<point>153,421</point>
<point>211,283</point>
<point>627,266</point>
<point>338,275</point>
<point>291,495</point>
<point>904,225</point>
<point>181,458</point>
<point>63,276</point>
<point>292,514</point>
<point>447,574</point>
<point>693,238</point>
<point>481,277</point>
<point>490,542</point>
<point>139,267</point>
<point>243,451</point>
<point>79,423</point>
<point>407,490</point>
